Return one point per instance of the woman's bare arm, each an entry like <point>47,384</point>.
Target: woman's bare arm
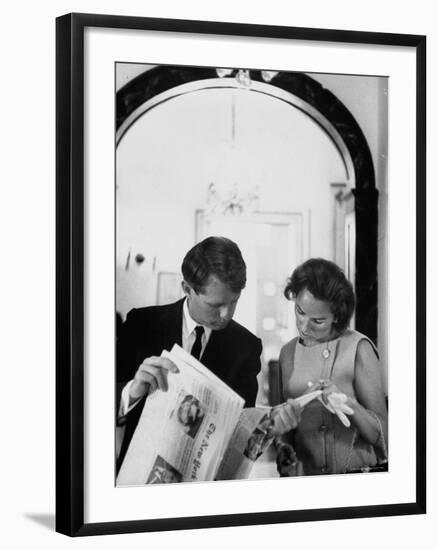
<point>370,398</point>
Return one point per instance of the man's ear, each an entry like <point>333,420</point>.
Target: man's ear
<point>186,288</point>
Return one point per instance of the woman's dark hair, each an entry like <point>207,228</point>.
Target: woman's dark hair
<point>217,256</point>
<point>327,282</point>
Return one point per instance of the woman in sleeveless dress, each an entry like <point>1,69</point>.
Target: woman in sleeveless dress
<point>345,430</point>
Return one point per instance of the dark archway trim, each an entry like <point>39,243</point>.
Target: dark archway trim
<point>163,77</point>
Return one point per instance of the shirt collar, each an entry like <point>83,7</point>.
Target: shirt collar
<point>190,324</point>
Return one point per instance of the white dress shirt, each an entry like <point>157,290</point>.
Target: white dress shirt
<point>189,332</point>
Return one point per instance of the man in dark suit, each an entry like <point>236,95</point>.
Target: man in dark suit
<point>214,274</point>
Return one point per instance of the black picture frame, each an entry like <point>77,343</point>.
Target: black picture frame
<point>70,272</point>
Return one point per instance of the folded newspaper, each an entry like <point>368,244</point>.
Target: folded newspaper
<point>196,431</point>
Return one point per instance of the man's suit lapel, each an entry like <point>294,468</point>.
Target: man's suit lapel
<point>172,326</point>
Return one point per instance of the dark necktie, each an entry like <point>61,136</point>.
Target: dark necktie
<point>197,346</point>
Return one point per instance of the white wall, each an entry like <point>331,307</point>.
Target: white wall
<point>27,232</point>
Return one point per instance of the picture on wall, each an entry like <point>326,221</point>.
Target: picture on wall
<point>240,248</point>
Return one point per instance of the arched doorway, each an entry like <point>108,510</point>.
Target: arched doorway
<point>162,83</point>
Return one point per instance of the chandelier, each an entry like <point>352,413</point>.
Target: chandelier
<point>234,199</point>
<point>231,201</point>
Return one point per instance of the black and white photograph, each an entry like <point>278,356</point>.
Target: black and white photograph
<point>258,440</point>
<point>232,297</point>
<point>251,231</point>
<point>218,274</point>
<point>190,414</point>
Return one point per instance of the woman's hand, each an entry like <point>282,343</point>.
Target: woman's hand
<point>336,401</point>
<point>287,462</point>
<point>285,417</point>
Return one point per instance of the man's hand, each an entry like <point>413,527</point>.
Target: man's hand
<point>151,375</point>
<point>285,417</point>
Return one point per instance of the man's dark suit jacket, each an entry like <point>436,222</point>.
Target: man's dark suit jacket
<point>233,354</point>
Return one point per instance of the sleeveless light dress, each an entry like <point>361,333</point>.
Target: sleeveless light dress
<point>321,441</point>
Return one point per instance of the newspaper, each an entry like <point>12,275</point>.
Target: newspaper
<point>195,431</point>
<point>182,433</point>
<point>249,440</point>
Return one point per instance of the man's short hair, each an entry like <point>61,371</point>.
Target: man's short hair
<point>216,256</point>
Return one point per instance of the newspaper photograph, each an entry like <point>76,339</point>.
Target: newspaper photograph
<point>250,440</point>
